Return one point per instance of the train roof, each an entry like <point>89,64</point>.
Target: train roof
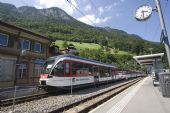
<point>80,58</point>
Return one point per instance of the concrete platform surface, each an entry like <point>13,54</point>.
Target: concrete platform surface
<point>140,98</point>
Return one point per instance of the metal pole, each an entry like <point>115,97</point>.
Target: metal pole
<point>71,86</point>
<point>13,105</point>
<point>162,22</point>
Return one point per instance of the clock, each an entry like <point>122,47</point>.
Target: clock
<point>143,12</point>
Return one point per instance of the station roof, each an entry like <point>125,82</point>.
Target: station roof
<point>148,59</point>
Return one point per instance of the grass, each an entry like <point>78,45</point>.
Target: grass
<point>81,46</point>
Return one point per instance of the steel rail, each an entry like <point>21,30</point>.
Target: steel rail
<point>22,99</point>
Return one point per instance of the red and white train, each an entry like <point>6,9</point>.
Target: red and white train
<point>64,71</point>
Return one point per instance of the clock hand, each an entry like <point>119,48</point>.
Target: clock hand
<point>143,14</point>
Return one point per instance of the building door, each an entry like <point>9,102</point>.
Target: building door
<point>7,69</point>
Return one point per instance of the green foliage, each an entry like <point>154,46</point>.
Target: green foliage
<point>115,51</point>
<point>124,61</point>
<point>64,44</point>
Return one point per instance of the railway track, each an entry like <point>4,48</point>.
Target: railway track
<point>91,102</point>
<point>21,99</point>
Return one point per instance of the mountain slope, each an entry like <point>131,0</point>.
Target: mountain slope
<point>57,24</point>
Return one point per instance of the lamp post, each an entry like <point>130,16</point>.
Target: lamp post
<point>144,12</point>
<point>164,31</point>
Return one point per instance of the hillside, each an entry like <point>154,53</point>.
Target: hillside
<point>58,25</point>
<point>90,46</point>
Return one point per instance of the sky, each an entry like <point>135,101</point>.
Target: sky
<point>117,14</point>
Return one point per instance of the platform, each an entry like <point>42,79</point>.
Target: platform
<point>140,98</point>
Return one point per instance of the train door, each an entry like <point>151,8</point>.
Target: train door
<point>67,71</point>
<point>113,73</point>
<point>96,73</point>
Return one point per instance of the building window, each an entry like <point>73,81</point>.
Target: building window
<point>38,70</point>
<point>22,71</point>
<point>37,47</point>
<point>25,44</point>
<point>4,39</point>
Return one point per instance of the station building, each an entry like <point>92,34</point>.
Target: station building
<point>22,54</point>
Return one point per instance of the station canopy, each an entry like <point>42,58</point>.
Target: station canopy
<point>149,59</point>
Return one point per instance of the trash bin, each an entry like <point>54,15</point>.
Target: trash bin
<point>164,81</point>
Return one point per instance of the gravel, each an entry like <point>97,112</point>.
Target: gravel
<point>51,103</point>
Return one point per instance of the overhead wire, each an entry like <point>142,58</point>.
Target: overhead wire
<point>87,17</point>
<point>81,12</point>
<point>93,4</point>
<point>101,15</point>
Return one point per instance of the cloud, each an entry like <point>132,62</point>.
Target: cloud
<point>91,17</point>
<point>63,4</point>
<point>88,7</point>
<point>108,8</point>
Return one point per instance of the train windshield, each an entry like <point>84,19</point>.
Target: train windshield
<point>47,66</point>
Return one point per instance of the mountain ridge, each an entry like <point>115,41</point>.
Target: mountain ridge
<point>57,24</point>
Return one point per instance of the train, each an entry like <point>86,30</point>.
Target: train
<point>64,71</point>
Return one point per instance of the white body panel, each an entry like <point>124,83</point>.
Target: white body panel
<point>105,78</point>
<point>68,81</point>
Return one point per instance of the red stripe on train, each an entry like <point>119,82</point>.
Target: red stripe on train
<point>44,76</point>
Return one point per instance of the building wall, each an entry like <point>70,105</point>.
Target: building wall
<point>12,64</point>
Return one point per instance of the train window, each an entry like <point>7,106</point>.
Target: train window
<point>88,68</point>
<point>58,69</point>
<point>47,66</point>
<point>67,68</point>
<point>95,71</point>
<point>104,72</point>
<point>77,65</point>
<point>77,68</point>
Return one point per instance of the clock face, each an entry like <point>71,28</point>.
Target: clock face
<point>143,13</point>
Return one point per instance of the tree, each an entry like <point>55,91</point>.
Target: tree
<point>64,44</point>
